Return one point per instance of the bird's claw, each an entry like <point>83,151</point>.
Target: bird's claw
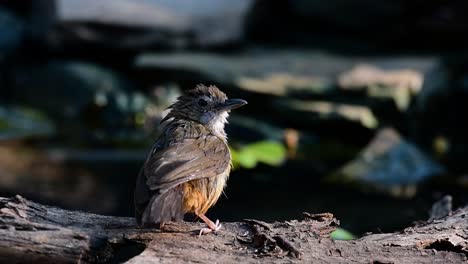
<point>210,228</point>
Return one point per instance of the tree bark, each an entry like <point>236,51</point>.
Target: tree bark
<point>35,233</point>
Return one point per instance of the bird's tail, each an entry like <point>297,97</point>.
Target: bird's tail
<point>164,207</point>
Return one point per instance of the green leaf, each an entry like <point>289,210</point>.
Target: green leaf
<point>341,234</point>
<point>268,152</point>
<point>247,159</point>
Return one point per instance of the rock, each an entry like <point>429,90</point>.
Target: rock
<point>441,208</point>
<point>64,88</point>
<point>363,75</point>
<point>152,23</point>
<point>290,72</point>
<point>88,102</point>
<point>20,122</point>
<point>281,84</point>
<point>400,85</point>
<point>320,110</point>
<point>389,161</point>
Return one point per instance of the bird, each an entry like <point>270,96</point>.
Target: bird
<point>189,164</point>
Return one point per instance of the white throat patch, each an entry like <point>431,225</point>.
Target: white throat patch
<point>217,124</point>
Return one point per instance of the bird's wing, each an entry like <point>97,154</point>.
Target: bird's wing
<point>185,160</point>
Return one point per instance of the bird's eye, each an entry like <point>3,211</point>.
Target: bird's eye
<point>202,102</point>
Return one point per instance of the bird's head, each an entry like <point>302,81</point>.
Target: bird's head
<point>206,105</point>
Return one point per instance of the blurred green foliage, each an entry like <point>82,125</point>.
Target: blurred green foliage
<point>341,234</point>
<point>269,152</point>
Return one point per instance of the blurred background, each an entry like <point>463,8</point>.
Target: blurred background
<point>355,108</point>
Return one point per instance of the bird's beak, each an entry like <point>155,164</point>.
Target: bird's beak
<point>230,104</point>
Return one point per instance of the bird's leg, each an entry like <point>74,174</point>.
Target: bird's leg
<point>212,226</point>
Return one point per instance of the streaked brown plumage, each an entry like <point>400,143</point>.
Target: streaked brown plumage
<point>190,162</point>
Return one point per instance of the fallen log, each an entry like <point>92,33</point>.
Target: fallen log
<point>36,233</point>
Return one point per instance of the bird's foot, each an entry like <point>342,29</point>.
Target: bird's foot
<point>212,227</point>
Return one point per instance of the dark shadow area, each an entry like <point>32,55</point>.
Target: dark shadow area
<point>122,252</point>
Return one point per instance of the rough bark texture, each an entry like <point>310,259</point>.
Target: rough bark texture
<point>35,233</point>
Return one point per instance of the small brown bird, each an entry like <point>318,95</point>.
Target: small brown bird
<point>189,164</point>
